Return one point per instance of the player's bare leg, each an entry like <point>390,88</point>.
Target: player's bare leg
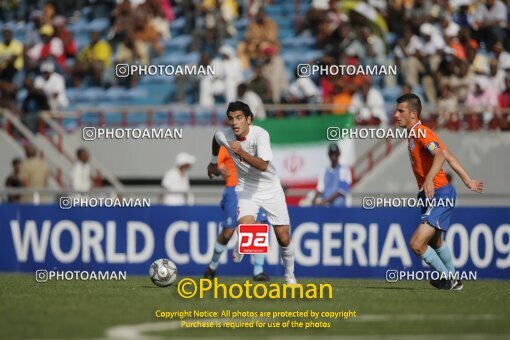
<point>421,238</point>
<point>420,246</point>
<point>282,233</point>
<point>226,235</point>
<point>236,256</point>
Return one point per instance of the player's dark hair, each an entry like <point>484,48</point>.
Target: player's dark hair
<point>241,89</point>
<point>412,100</point>
<point>80,151</point>
<point>240,106</point>
<point>15,161</point>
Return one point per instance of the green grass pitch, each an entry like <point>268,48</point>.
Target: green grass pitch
<point>91,309</point>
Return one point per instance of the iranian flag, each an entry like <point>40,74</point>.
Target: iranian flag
<point>300,146</point>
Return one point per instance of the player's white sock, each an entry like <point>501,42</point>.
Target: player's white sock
<point>218,250</point>
<point>287,255</point>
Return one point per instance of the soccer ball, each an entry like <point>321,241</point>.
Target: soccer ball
<point>163,272</point>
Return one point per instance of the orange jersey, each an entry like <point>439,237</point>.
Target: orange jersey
<point>225,161</point>
<point>421,143</point>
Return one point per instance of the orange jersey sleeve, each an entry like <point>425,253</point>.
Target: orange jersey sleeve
<point>421,143</point>
<point>225,161</point>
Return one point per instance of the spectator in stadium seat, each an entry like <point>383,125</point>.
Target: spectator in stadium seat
<point>13,180</point>
<point>489,21</point>
<point>92,61</point>
<point>504,104</point>
<point>129,51</point>
<point>496,76</point>
<point>274,71</point>
<point>481,103</point>
<point>176,181</point>
<point>334,182</point>
<point>426,61</point>
<point>49,47</point>
<point>261,85</point>
<point>49,11</point>
<point>34,174</point>
<point>447,107</point>
<point>407,49</point>
<point>349,45</point>
<point>342,96</point>
<point>368,105</point>
<point>502,56</point>
<point>261,30</point>
<point>188,87</point>
<point>419,12</point>
<point>160,14</point>
<point>81,173</point>
<point>469,45</point>
<point>61,32</point>
<point>462,81</point>
<point>122,16</point>
<point>34,102</point>
<point>228,75</point>
<point>303,90</point>
<point>11,55</point>
<point>53,85</point>
<point>375,48</point>
<point>32,33</point>
<point>226,12</point>
<point>315,17</point>
<point>252,100</point>
<point>8,93</point>
<point>145,32</point>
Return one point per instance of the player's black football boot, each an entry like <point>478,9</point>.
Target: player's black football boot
<point>446,284</point>
<point>436,283</point>
<point>261,277</point>
<point>209,273</point>
<point>458,285</point>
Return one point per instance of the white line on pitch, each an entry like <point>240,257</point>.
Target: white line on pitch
<point>136,331</point>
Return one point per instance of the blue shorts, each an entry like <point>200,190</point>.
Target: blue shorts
<point>228,207</point>
<point>437,212</point>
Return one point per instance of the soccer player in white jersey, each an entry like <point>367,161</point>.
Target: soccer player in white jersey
<point>258,185</point>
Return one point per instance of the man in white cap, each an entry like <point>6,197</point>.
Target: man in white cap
<point>228,75</point>
<point>53,85</point>
<point>176,181</point>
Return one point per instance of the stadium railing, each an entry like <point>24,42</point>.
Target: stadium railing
<point>195,115</point>
<point>212,197</point>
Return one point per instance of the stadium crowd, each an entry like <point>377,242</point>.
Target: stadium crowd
<point>452,53</point>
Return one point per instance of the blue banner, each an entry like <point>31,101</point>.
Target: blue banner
<point>329,242</point>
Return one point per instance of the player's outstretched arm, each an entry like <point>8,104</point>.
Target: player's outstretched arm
<point>256,162</point>
<point>472,184</point>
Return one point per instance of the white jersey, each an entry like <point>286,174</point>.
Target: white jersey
<point>257,144</point>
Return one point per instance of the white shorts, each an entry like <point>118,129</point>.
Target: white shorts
<point>271,200</point>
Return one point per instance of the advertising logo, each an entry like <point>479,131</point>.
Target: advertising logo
<point>253,238</point>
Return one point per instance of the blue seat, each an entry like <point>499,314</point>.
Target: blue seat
<point>179,42</point>
<point>98,25</point>
<point>301,41</point>
<point>274,10</point>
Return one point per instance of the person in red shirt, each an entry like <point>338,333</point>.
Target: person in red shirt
<point>428,153</point>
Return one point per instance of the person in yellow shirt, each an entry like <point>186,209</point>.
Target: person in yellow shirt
<point>92,60</point>
<point>11,56</point>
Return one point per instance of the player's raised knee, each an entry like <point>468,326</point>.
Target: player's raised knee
<point>417,247</point>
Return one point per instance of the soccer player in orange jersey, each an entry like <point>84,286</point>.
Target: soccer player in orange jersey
<point>427,154</point>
